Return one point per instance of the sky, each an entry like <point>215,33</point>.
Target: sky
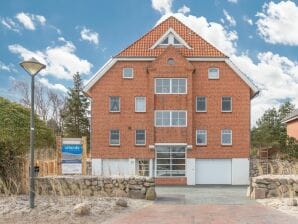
<point>260,37</point>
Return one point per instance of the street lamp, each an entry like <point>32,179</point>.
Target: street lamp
<point>32,67</point>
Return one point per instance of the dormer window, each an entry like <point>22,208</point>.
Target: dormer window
<point>165,41</point>
<point>170,38</point>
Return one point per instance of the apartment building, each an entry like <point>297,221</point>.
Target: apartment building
<point>174,107</point>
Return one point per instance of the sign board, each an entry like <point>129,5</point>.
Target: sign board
<point>72,156</point>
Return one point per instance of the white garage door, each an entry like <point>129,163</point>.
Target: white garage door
<point>115,167</point>
<point>213,171</point>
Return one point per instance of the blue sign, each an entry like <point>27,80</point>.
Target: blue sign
<point>72,158</point>
<point>73,149</point>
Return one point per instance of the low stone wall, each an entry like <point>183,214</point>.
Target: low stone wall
<point>271,186</point>
<point>273,166</point>
<point>133,187</point>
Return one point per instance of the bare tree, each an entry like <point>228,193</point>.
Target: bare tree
<point>57,102</point>
<point>48,103</point>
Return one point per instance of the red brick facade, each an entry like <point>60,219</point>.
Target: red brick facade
<point>292,128</point>
<point>198,84</point>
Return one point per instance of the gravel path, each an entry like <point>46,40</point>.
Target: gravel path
<point>56,210</point>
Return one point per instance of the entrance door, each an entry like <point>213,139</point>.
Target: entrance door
<point>213,171</point>
<point>170,160</point>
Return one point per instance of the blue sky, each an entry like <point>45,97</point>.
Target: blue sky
<point>261,37</point>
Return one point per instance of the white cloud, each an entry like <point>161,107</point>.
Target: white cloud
<point>277,23</point>
<point>229,18</point>
<point>213,32</point>
<point>233,1</point>
<point>7,67</point>
<point>10,24</point>
<point>89,35</point>
<point>184,9</point>
<point>29,21</point>
<point>61,61</point>
<point>163,6</point>
<point>276,76</point>
<point>49,85</point>
<point>248,20</point>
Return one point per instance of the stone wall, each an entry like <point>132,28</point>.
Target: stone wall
<point>271,186</point>
<point>275,166</point>
<point>133,187</point>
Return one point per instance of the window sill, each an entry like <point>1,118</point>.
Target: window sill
<point>201,145</point>
<point>114,145</point>
<point>140,111</point>
<point>202,111</point>
<point>226,111</point>
<point>138,145</point>
<point>115,112</point>
<point>226,145</point>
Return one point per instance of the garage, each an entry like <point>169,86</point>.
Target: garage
<point>213,171</point>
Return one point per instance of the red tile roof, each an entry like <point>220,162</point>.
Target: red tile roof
<point>199,46</point>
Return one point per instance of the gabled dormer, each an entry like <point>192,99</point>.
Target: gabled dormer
<point>171,37</point>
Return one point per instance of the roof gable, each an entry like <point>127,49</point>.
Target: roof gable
<point>198,47</point>
<point>178,61</point>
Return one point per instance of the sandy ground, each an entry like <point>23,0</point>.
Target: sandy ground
<point>281,205</point>
<point>15,209</point>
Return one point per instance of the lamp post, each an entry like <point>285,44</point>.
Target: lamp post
<point>32,67</point>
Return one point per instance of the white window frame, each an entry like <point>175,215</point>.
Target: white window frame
<point>231,132</point>
<point>206,136</point>
<point>136,98</point>
<point>171,86</point>
<point>132,72</point>
<point>110,134</point>
<point>136,137</point>
<point>226,111</point>
<point>201,111</point>
<point>217,73</point>
<point>110,104</point>
<point>171,111</point>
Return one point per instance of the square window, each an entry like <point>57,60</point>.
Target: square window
<point>226,104</point>
<point>179,86</point>
<point>114,104</point>
<point>201,104</point>
<point>226,137</point>
<point>213,73</point>
<point>140,137</point>
<point>114,137</point>
<point>201,137</point>
<point>127,73</point>
<point>140,104</point>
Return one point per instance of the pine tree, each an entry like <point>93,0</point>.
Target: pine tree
<point>75,120</point>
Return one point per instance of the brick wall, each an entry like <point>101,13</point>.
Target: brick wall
<point>112,84</point>
<point>292,128</point>
<point>170,181</point>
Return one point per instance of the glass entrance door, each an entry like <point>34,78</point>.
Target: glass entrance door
<point>170,160</point>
